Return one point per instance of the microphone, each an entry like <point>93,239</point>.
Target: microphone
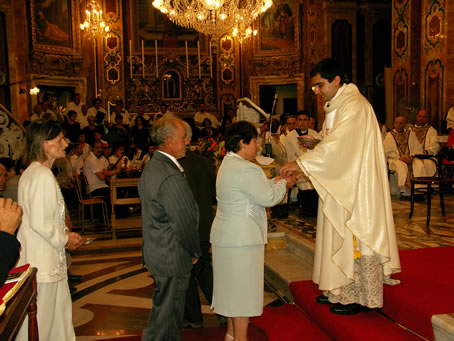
<point>273,109</point>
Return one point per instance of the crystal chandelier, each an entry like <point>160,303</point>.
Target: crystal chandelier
<point>215,17</point>
<point>93,21</point>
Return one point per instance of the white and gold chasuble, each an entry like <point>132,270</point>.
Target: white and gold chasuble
<point>348,170</point>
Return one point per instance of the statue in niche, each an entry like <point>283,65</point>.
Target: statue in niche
<point>171,85</point>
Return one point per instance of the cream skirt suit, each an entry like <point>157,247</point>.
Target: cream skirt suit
<point>43,237</point>
<point>238,235</point>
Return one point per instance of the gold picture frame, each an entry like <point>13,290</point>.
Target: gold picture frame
<point>55,26</point>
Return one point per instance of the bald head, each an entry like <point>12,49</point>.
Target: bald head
<point>400,122</point>
<point>422,118</point>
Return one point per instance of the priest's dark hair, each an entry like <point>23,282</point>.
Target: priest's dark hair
<point>329,68</point>
<point>241,130</point>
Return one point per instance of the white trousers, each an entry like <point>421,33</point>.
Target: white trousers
<point>54,313</point>
<point>401,169</point>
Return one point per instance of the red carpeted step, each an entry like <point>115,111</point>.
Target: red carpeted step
<point>288,323</point>
<point>426,289</point>
<point>362,326</point>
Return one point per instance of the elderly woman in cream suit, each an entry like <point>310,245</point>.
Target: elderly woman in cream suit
<point>43,234</point>
<point>239,230</point>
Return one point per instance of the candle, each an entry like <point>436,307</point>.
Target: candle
<point>143,62</point>
<point>130,58</point>
<point>198,54</point>
<point>187,58</point>
<point>211,62</point>
<point>156,54</point>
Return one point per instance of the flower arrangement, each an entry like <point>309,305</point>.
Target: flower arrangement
<point>211,148</point>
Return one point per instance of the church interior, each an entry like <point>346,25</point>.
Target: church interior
<point>397,52</point>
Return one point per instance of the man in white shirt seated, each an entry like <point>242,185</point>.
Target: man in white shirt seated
<point>400,147</point>
<point>77,160</point>
<point>202,114</point>
<point>123,111</point>
<point>106,153</point>
<point>288,125</point>
<point>75,105</point>
<point>140,113</point>
<point>307,196</point>
<point>97,111</point>
<point>38,113</point>
<point>96,175</point>
<point>428,138</point>
<point>163,112</point>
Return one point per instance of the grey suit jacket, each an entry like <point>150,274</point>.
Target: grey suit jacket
<point>170,217</point>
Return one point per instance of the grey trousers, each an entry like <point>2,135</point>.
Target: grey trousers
<point>166,317</point>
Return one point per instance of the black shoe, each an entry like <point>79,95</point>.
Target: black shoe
<point>322,299</point>
<point>348,309</point>
<point>72,290</point>
<point>74,278</point>
<point>192,325</point>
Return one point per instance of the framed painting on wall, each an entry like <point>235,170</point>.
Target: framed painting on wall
<point>55,26</point>
<point>279,29</point>
<point>150,25</point>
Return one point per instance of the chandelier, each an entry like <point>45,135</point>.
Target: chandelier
<point>215,17</point>
<point>93,21</point>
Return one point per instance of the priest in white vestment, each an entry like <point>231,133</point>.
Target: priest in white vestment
<point>401,146</point>
<point>428,138</point>
<point>356,249</point>
<point>307,196</point>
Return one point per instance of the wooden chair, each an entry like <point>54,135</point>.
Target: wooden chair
<point>90,202</point>
<point>429,181</point>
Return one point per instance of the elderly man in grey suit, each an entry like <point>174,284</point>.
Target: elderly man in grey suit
<point>170,218</point>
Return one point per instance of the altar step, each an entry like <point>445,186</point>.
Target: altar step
<point>288,258</point>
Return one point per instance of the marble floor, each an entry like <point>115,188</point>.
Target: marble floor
<point>114,297</point>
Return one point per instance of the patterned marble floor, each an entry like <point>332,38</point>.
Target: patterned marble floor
<point>114,297</point>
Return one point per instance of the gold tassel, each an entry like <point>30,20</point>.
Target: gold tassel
<point>357,252</point>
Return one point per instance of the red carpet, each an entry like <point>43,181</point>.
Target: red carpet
<point>204,334</point>
<point>288,323</point>
<point>362,326</point>
<point>426,289</point>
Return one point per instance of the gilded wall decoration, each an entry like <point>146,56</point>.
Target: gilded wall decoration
<point>433,89</point>
<point>55,26</point>
<point>111,54</point>
<point>434,26</point>
<point>112,58</point>
<point>55,64</point>
<point>12,139</point>
<point>400,84</point>
<point>278,66</point>
<point>227,60</point>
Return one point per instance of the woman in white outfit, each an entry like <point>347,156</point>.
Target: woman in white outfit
<point>239,230</point>
<point>43,234</point>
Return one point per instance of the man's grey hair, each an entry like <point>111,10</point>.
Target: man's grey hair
<point>188,130</point>
<point>163,128</point>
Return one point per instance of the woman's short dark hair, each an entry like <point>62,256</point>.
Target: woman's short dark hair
<point>38,132</point>
<point>241,130</point>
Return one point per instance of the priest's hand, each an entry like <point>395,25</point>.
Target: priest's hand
<point>289,169</point>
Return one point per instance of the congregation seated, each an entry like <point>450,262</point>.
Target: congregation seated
<point>207,131</point>
<point>427,137</point>
<point>140,113</point>
<point>98,112</point>
<point>71,128</point>
<point>97,175</point>
<point>147,157</point>
<point>119,159</point>
<point>401,146</point>
<point>76,157</point>
<point>202,114</point>
<point>90,129</point>
<point>118,133</point>
<point>140,136</point>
